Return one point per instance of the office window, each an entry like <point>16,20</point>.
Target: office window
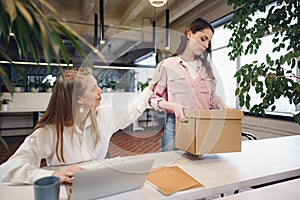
<point>226,68</point>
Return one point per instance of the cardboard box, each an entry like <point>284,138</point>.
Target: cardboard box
<point>209,131</point>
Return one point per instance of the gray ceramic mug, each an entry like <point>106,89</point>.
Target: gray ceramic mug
<point>47,188</point>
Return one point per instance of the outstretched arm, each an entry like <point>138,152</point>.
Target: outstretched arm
<point>121,115</point>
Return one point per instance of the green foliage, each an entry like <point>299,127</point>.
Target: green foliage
<point>47,84</point>
<point>34,32</point>
<point>35,83</point>
<point>4,144</point>
<point>141,86</point>
<point>268,77</point>
<point>5,101</point>
<point>110,84</point>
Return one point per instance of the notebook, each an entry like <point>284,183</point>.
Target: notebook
<point>110,179</point>
<point>169,180</point>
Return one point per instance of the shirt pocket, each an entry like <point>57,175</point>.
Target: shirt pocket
<point>179,86</point>
<point>205,86</point>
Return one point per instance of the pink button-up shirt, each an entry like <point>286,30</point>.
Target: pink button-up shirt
<point>177,86</point>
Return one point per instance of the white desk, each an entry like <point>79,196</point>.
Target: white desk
<point>24,192</point>
<point>260,161</point>
<point>286,190</point>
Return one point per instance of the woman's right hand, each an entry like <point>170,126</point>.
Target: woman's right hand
<point>178,111</point>
<point>66,175</point>
<point>176,108</point>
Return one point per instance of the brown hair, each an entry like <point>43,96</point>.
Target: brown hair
<point>197,25</point>
<point>62,105</point>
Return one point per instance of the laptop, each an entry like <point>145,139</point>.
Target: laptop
<point>110,179</point>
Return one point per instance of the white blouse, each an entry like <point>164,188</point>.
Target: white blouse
<point>24,166</point>
<point>192,67</point>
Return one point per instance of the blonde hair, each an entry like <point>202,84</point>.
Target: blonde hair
<point>63,104</point>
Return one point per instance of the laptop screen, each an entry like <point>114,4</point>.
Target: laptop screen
<point>110,179</point>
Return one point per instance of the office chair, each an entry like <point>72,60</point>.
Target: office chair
<point>108,155</point>
<point>249,136</point>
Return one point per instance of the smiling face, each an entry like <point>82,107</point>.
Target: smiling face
<point>199,41</point>
<point>92,94</point>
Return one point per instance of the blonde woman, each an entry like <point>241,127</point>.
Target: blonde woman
<point>74,128</point>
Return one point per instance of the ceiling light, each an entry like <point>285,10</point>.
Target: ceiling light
<point>157,3</point>
<point>36,63</point>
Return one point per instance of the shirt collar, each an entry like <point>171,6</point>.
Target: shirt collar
<point>179,60</point>
<point>87,123</point>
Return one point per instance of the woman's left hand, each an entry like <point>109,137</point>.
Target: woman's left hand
<point>67,174</point>
<point>227,108</point>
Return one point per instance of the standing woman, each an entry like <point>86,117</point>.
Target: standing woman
<point>74,128</point>
<point>187,80</point>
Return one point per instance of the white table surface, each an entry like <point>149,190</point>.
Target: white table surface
<point>25,192</point>
<point>289,190</point>
<point>260,161</point>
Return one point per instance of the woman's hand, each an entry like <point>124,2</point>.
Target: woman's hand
<point>176,108</point>
<point>221,105</point>
<point>178,111</point>
<point>225,107</point>
<point>228,108</point>
<point>67,174</point>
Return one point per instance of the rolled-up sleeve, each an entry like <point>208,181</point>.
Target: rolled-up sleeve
<point>159,92</point>
<point>117,117</point>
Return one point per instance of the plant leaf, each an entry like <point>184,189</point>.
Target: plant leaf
<point>25,13</point>
<point>9,6</point>
<point>4,144</point>
<point>6,80</point>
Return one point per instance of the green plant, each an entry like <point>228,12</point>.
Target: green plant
<point>20,83</point>
<point>1,139</point>
<point>5,101</point>
<point>35,83</point>
<point>47,84</point>
<point>141,86</point>
<point>110,84</point>
<point>33,31</point>
<point>268,77</point>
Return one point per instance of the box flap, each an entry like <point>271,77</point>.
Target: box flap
<point>213,114</point>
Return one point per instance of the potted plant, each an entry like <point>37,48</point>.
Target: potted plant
<point>17,88</point>
<point>141,86</point>
<point>110,85</point>
<point>34,86</point>
<point>47,86</point>
<point>20,87</point>
<point>120,87</point>
<point>4,103</point>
